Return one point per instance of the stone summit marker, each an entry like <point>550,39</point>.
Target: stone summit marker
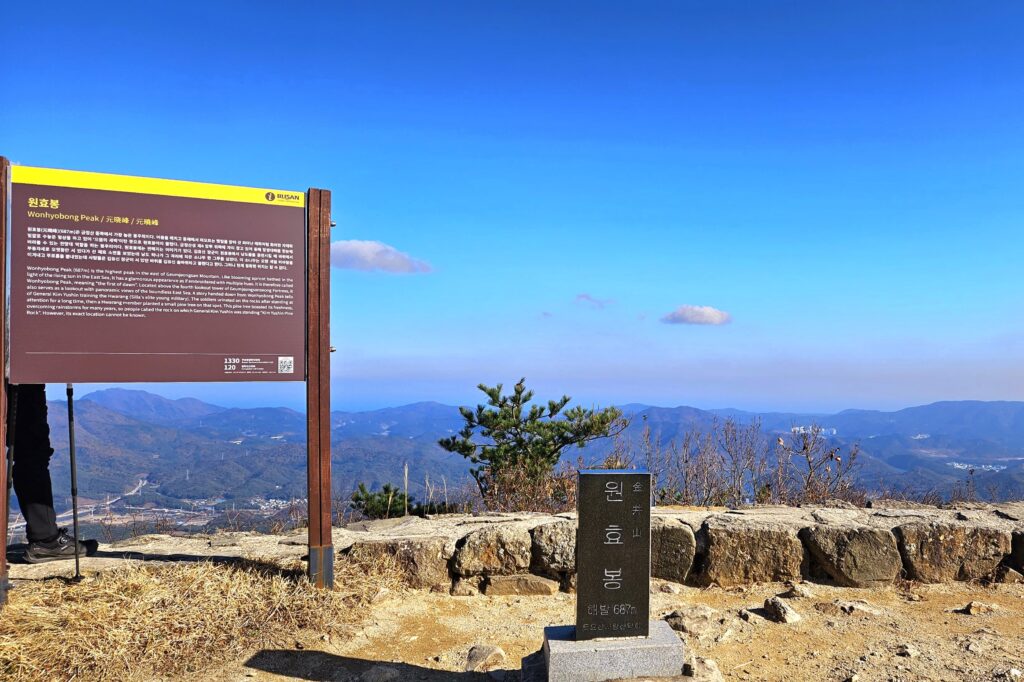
<point>614,637</point>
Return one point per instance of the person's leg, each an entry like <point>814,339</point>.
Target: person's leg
<point>32,453</point>
<point>32,485</point>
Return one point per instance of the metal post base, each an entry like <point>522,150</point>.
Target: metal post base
<point>321,566</point>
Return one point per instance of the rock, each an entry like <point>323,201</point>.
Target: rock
<point>569,583</point>
<point>854,555</point>
<point>670,588</point>
<point>526,584</point>
<point>837,504</point>
<point>748,549</point>
<point>941,552</point>
<point>466,587</point>
<point>797,591</point>
<point>857,607</point>
<point>482,657</point>
<point>380,673</point>
<point>494,550</point>
<point>907,651</point>
<point>1017,551</point>
<point>703,670</point>
<point>780,612</point>
<point>975,608</point>
<point>553,549</point>
<point>673,547</point>
<point>699,621</point>
<point>424,560</point>
<point>897,504</point>
<point>1007,575</point>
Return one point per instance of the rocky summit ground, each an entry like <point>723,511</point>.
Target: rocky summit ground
<point>907,631</point>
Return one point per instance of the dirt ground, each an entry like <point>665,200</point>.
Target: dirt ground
<point>423,635</point>
<point>426,636</point>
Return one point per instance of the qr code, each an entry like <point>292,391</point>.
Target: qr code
<point>285,365</point>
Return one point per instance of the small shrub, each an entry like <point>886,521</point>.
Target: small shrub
<point>386,503</point>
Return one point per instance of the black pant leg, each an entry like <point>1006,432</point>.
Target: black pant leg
<point>32,453</point>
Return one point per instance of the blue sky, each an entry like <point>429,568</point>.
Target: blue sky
<point>842,180</point>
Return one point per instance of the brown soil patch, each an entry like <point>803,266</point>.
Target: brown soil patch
<point>426,635</point>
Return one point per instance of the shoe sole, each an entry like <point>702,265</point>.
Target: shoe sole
<point>45,559</point>
<point>31,559</point>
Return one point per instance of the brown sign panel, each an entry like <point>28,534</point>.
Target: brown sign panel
<point>124,279</point>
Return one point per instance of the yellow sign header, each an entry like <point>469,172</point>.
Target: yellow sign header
<point>52,177</point>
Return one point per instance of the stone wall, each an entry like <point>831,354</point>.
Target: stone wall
<point>535,553</point>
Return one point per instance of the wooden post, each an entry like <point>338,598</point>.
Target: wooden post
<point>5,174</point>
<point>318,385</point>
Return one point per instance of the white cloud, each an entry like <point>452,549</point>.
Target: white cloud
<point>598,303</point>
<point>697,314</point>
<point>357,254</point>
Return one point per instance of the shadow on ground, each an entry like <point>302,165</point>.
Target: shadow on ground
<point>325,667</point>
<point>16,555</point>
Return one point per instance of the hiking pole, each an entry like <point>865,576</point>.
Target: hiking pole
<point>74,479</point>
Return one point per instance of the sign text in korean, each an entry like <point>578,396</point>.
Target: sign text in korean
<point>122,279</point>
<point>613,554</point>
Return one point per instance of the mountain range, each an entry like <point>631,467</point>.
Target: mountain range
<point>188,450</point>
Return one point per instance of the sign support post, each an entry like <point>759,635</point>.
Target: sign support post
<point>5,167</point>
<point>318,386</point>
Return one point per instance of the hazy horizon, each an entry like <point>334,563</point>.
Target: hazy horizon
<point>208,393</point>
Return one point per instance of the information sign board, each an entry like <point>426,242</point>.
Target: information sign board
<point>124,279</point>
<point>613,554</point>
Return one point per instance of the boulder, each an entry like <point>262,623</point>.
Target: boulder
<point>780,612</point>
<point>975,608</point>
<point>854,555</point>
<point>526,584</point>
<point>942,552</point>
<point>553,550</point>
<point>673,547</point>
<point>482,657</point>
<point>1007,575</point>
<point>747,549</point>
<point>423,560</point>
<point>703,670</point>
<point>701,622</point>
<point>494,550</point>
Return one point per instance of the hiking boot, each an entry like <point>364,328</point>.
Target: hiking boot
<point>61,547</point>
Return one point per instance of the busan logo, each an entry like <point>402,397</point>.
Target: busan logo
<point>271,196</point>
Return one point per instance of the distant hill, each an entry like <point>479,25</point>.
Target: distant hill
<point>187,449</point>
<point>150,407</point>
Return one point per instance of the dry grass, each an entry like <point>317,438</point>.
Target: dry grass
<point>141,622</point>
